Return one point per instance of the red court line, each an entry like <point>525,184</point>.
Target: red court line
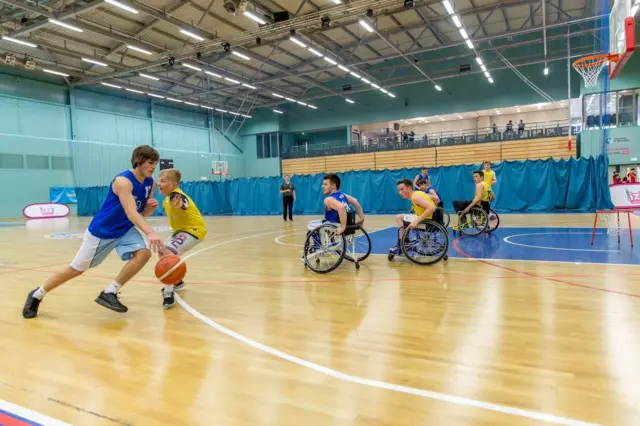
<point>467,255</point>
<point>14,270</point>
<point>8,420</point>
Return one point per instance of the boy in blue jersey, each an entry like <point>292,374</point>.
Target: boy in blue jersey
<point>336,205</point>
<point>114,227</point>
<point>431,191</point>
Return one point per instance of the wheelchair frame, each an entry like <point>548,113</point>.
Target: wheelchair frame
<point>347,239</point>
<point>480,211</point>
<point>407,253</point>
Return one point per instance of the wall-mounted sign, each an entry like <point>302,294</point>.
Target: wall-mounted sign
<point>625,195</point>
<point>45,211</point>
<point>166,163</point>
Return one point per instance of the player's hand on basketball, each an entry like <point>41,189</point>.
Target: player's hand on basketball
<point>155,243</point>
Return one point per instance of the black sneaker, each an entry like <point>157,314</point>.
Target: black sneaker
<point>110,301</point>
<point>178,286</point>
<point>30,309</point>
<point>169,300</point>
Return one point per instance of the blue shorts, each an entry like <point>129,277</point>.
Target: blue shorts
<point>94,250</point>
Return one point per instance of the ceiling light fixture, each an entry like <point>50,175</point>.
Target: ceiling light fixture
<point>232,80</point>
<point>249,86</point>
<point>278,111</point>
<point>315,52</point>
<point>65,25</point>
<point>15,40</point>
<point>93,61</point>
<point>111,85</point>
<point>256,18</point>
<point>366,25</point>
<point>193,67</point>
<point>139,49</point>
<point>213,74</point>
<point>55,72</point>
<point>240,55</point>
<point>298,42</point>
<point>192,35</point>
<point>121,6</point>
<point>150,77</point>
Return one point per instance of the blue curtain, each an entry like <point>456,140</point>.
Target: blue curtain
<point>523,186</point>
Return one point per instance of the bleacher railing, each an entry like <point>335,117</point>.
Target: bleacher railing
<point>374,142</point>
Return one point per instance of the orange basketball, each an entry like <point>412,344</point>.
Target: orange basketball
<point>165,264</point>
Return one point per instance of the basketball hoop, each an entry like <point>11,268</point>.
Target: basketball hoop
<point>590,66</point>
<point>611,219</point>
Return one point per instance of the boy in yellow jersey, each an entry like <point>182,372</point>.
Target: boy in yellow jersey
<point>489,175</point>
<point>423,206</point>
<point>188,225</point>
<point>483,196</point>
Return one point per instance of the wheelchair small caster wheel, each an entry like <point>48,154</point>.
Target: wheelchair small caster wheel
<point>390,257</point>
<point>357,266</point>
<point>446,257</point>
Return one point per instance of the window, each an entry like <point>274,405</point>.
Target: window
<point>268,145</point>
<point>37,162</point>
<point>611,109</point>
<point>11,161</point>
<point>61,163</point>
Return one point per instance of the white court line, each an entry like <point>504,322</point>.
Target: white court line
<point>277,239</point>
<point>506,240</point>
<point>549,418</point>
<point>27,414</point>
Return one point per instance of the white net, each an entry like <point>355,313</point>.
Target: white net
<point>612,222</point>
<point>590,68</point>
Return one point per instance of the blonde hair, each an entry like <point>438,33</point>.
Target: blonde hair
<point>172,174</point>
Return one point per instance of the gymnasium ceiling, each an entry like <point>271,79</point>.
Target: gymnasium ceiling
<point>103,32</point>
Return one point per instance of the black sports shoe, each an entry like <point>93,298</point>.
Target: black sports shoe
<point>110,301</point>
<point>30,309</point>
<point>178,286</point>
<point>169,300</point>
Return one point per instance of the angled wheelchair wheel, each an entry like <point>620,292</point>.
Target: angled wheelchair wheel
<point>427,244</point>
<point>358,244</point>
<point>324,250</point>
<point>473,223</point>
<point>494,221</point>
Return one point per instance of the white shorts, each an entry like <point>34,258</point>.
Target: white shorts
<point>313,224</point>
<point>94,250</point>
<point>181,242</point>
<point>410,217</point>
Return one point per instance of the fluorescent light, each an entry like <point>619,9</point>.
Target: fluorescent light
<point>246,116</point>
<point>111,85</point>
<point>469,44</point>
<point>277,96</point>
<point>298,42</point>
<point>190,103</point>
<point>133,90</point>
<point>546,70</point>
<point>315,52</point>
<point>193,67</point>
<point>206,107</point>
<point>354,74</point>
<point>483,68</point>
<point>463,33</point>
<point>343,68</point>
<point>240,55</point>
<point>290,100</point>
<point>234,113</point>
<point>456,21</point>
<point>438,88</point>
<point>150,77</point>
<point>221,110</point>
<point>249,86</point>
<point>139,49</point>
<point>121,6</point>
<point>15,40</point>
<point>366,25</point>
<point>256,18</point>
<point>155,96</point>
<point>232,80</point>
<point>447,6</point>
<point>375,85</point>
<point>64,24</point>
<point>349,100</point>
<point>383,91</point>
<point>278,111</point>
<point>337,1</point>
<point>301,103</point>
<point>365,80</point>
<point>331,61</point>
<point>93,61</point>
<point>213,74</point>
<point>391,94</point>
<point>478,60</point>
<point>192,35</point>
<point>312,106</point>
<point>487,74</point>
<point>55,72</point>
<point>174,100</point>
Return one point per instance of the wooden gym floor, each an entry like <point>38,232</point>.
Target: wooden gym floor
<point>257,339</point>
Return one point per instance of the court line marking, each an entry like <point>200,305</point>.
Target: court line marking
<point>506,240</point>
<point>541,277</point>
<point>277,239</point>
<point>30,415</point>
<point>550,418</point>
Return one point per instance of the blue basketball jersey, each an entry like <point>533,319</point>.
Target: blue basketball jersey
<point>434,190</point>
<point>111,221</point>
<point>331,215</point>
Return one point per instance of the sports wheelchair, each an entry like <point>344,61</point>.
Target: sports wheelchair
<point>476,221</point>
<point>426,244</point>
<point>324,250</point>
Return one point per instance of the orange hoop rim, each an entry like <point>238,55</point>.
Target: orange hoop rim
<point>598,60</point>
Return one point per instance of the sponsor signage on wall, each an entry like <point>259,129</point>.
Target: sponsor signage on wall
<point>625,195</point>
<point>45,211</point>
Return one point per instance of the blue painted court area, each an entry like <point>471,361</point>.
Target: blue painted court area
<point>533,244</point>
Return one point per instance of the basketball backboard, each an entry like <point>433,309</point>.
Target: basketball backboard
<point>622,34</point>
<point>219,167</point>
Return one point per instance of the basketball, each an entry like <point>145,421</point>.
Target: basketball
<point>165,264</point>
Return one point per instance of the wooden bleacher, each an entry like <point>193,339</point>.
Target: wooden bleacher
<point>523,149</point>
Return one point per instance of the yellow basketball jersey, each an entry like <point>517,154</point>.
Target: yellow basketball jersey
<point>419,209</point>
<point>186,219</point>
<point>488,176</point>
<point>486,191</point>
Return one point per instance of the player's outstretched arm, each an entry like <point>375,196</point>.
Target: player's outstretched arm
<point>433,196</point>
<point>122,187</point>
<point>357,206</point>
<point>333,204</point>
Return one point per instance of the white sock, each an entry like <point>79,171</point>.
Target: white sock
<point>40,293</point>
<point>168,290</point>
<point>113,287</point>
